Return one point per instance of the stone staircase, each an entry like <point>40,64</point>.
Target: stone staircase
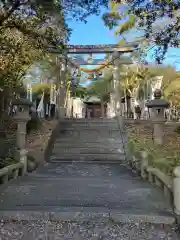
<point>97,140</point>
<point>85,192</point>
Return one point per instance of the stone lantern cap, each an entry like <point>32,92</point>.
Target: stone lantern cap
<point>22,102</point>
<point>157,102</point>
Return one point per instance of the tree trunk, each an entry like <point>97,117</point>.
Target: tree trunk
<point>102,109</point>
<point>129,110</point>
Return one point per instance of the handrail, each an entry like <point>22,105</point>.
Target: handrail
<point>11,172</point>
<point>166,180</point>
<point>153,175</point>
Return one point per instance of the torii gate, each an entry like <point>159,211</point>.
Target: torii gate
<point>116,49</point>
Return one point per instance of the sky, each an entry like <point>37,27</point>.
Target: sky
<point>95,32</point>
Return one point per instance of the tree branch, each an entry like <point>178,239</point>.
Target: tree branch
<point>6,13</point>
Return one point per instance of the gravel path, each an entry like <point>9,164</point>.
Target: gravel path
<point>84,231</point>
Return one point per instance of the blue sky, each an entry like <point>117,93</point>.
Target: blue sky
<point>94,32</point>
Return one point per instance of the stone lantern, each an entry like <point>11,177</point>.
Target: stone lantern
<point>158,106</point>
<point>22,117</point>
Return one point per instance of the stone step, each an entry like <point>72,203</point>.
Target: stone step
<point>88,144</point>
<point>117,193</point>
<point>88,157</point>
<point>90,132</point>
<point>90,141</point>
<point>86,150</point>
<point>92,120</point>
<point>54,160</point>
<point>89,123</point>
<point>107,138</point>
<point>95,144</point>
<point>83,214</point>
<point>87,140</point>
<point>89,129</point>
<point>93,137</point>
<point>93,125</point>
<point>87,147</point>
<point>90,138</point>
<point>83,169</point>
<point>89,120</point>
<point>58,171</point>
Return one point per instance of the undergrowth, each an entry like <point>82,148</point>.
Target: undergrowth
<point>159,157</point>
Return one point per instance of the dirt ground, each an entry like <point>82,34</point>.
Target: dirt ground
<point>39,138</point>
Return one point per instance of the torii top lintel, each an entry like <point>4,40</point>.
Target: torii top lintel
<point>101,48</point>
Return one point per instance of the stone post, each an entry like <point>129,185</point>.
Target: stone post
<point>176,191</point>
<point>115,98</point>
<point>158,107</point>
<point>62,62</point>
<point>118,106</point>
<point>22,117</point>
<point>143,164</point>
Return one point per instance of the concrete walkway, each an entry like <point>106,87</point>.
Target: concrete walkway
<point>84,200</point>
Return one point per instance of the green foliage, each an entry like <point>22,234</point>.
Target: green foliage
<point>126,26</point>
<point>119,19</point>
<point>78,10</point>
<point>26,31</point>
<point>81,9</point>
<point>9,160</point>
<point>156,156</point>
<point>7,151</point>
<point>101,87</point>
<point>141,78</point>
<point>147,16</point>
<point>39,88</point>
<point>15,57</point>
<point>79,91</point>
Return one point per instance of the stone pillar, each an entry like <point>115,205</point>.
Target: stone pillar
<point>158,107</point>
<point>158,132</point>
<point>69,105</point>
<point>88,113</point>
<point>176,191</point>
<point>62,62</point>
<point>116,93</point>
<point>22,117</point>
<point>116,74</point>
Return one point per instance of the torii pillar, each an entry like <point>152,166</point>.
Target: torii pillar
<point>116,85</point>
<point>115,97</point>
<point>62,87</point>
<point>116,105</point>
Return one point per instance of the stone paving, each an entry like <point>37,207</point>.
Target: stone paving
<point>110,189</point>
<point>83,185</point>
<point>84,200</point>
